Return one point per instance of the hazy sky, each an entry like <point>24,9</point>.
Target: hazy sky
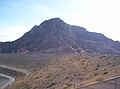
<point>19,16</point>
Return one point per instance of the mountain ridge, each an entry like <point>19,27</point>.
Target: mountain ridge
<point>60,37</point>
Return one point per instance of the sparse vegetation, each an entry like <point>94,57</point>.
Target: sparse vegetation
<point>47,51</point>
<point>95,74</point>
<point>63,71</point>
<point>51,84</point>
<point>97,68</point>
<point>99,79</point>
<point>106,72</point>
<point>68,84</point>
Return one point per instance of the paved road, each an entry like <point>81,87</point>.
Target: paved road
<point>16,69</point>
<point>110,84</point>
<point>5,80</point>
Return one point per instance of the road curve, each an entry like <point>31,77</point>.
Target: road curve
<point>10,80</point>
<point>16,69</point>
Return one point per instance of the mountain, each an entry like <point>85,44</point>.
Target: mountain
<point>56,36</point>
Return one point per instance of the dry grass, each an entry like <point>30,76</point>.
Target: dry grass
<point>65,71</point>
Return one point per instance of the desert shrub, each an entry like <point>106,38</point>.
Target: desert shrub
<point>82,84</point>
<point>98,65</point>
<point>66,77</point>
<point>105,69</point>
<point>27,86</point>
<point>114,58</point>
<point>113,65</point>
<point>36,77</point>
<point>95,74</point>
<point>97,68</point>
<point>106,72</point>
<point>99,79</point>
<point>102,57</point>
<point>52,84</point>
<point>50,75</point>
<point>108,63</point>
<point>68,84</point>
<point>85,67</point>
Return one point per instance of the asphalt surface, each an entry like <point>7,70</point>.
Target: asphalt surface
<point>5,80</point>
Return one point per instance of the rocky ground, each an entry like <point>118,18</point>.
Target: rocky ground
<point>68,71</point>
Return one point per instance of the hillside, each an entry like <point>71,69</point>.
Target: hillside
<point>66,71</point>
<point>55,36</point>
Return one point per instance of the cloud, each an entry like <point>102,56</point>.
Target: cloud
<point>2,36</point>
<point>11,33</point>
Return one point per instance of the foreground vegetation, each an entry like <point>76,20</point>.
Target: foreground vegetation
<point>61,71</point>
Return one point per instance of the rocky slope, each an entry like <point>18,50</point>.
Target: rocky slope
<point>70,72</point>
<point>56,36</point>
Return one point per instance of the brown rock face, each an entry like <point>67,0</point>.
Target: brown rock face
<point>55,35</point>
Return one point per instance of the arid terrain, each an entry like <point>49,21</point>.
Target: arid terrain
<point>57,55</point>
<point>69,71</point>
<point>113,83</point>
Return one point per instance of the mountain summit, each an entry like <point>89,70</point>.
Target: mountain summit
<point>56,36</point>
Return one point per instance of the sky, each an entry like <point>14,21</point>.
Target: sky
<point>19,16</point>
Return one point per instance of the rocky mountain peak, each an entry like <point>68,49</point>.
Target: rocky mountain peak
<point>56,36</point>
